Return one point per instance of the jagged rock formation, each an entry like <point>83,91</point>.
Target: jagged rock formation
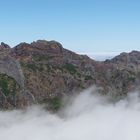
<point>43,72</point>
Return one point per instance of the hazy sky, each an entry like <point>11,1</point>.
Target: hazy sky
<point>80,25</point>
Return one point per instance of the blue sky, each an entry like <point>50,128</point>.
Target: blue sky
<point>84,26</point>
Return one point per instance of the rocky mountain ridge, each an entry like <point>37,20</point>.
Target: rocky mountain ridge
<point>43,72</point>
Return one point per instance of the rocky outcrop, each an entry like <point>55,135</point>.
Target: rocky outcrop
<point>44,72</point>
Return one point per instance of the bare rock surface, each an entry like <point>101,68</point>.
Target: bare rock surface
<point>43,72</point>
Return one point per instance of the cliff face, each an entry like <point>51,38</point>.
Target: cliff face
<point>43,72</point>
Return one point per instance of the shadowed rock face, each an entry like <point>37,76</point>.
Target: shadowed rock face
<point>44,72</point>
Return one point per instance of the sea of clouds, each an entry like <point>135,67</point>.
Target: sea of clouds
<point>86,116</point>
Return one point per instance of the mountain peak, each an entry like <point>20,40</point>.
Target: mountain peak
<point>47,44</point>
<point>4,46</point>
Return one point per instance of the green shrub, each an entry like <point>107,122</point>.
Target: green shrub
<point>42,57</point>
<point>88,77</point>
<point>71,68</point>
<point>8,85</point>
<point>53,104</point>
<point>56,103</point>
<point>32,66</point>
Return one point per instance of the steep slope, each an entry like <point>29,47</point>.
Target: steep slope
<point>52,71</point>
<point>127,67</point>
<point>13,93</point>
<point>44,72</point>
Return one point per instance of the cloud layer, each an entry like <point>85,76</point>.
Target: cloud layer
<point>85,117</point>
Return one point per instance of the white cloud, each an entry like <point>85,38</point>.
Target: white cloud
<point>85,117</point>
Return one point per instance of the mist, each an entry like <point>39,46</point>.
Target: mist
<point>87,116</point>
